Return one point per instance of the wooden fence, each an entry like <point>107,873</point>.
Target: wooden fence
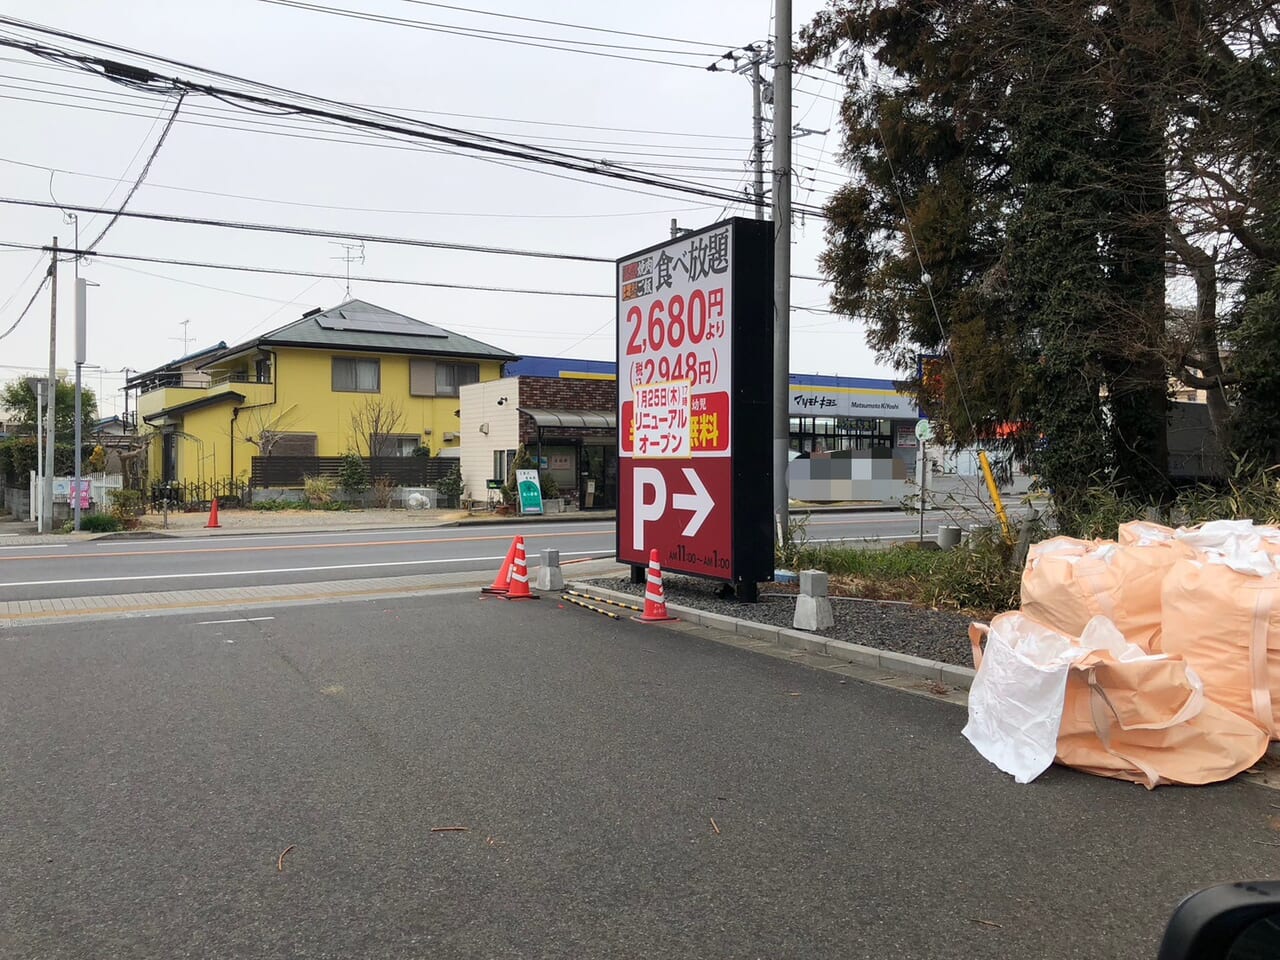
<point>403,471</point>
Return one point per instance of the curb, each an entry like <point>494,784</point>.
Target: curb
<point>575,516</point>
<point>855,653</point>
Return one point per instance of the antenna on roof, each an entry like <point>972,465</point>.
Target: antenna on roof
<point>185,338</point>
<point>349,256</point>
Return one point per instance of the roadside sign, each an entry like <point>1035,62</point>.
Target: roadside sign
<point>924,431</point>
<point>695,364</point>
<point>530,491</point>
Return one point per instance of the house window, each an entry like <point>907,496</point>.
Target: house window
<point>397,445</point>
<point>502,460</point>
<point>422,378</point>
<point>451,376</point>
<point>354,375</point>
<point>289,445</point>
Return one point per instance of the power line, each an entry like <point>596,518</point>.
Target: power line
<point>546,43</point>
<point>614,148</point>
<point>276,271</point>
<point>146,168</point>
<point>444,113</point>
<point>308,232</point>
<point>142,78</point>
<point>561,23</point>
<point>14,326</point>
<point>329,206</point>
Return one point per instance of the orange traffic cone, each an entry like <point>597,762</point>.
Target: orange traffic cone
<point>213,516</point>
<point>503,579</point>
<point>655,602</point>
<point>519,588</point>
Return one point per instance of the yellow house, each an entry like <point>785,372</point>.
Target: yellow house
<point>356,378</point>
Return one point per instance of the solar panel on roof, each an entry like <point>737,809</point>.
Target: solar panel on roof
<point>367,321</point>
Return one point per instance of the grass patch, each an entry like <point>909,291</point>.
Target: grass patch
<point>974,577</point>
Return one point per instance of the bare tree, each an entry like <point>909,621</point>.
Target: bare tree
<point>373,423</point>
<point>264,428</point>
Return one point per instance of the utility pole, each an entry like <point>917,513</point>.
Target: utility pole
<point>46,488</point>
<point>747,63</point>
<point>782,263</point>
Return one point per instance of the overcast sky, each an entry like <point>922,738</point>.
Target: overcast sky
<point>97,133</point>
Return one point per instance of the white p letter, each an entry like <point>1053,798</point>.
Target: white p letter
<point>644,508</point>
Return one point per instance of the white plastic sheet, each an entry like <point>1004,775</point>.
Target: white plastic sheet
<point>1016,700</point>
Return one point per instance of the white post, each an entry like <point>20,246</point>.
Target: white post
<point>81,289</point>
<point>46,496</point>
<point>37,495</point>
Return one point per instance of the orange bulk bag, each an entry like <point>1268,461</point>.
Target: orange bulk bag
<point>1067,582</point>
<point>1147,720</point>
<point>1226,624</point>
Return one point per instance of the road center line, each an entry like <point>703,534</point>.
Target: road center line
<point>250,573</point>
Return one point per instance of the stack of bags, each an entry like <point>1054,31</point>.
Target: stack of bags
<point>1153,658</point>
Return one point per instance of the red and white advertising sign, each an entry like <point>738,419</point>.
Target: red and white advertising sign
<point>675,383</point>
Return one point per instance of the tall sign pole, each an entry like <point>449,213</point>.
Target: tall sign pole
<point>781,264</point>
<point>46,488</point>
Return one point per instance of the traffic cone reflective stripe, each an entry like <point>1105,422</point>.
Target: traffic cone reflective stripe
<point>519,586</point>
<point>213,516</point>
<point>503,579</point>
<point>655,602</point>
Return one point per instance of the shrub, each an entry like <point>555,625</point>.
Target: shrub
<point>126,506</point>
<point>99,523</point>
<point>384,491</point>
<point>450,485</point>
<point>353,475</point>
<point>318,491</point>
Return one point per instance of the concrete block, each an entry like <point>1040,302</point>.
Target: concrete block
<point>813,613</point>
<point>813,583</point>
<point>549,575</point>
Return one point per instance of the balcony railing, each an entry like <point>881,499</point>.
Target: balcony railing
<point>198,381</point>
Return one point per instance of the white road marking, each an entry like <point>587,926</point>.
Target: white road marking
<point>250,573</point>
<point>205,623</point>
<point>40,546</point>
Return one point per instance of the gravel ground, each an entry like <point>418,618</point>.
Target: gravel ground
<point>933,634</point>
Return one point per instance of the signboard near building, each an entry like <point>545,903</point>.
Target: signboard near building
<point>808,400</point>
<point>695,362</point>
<point>530,491</point>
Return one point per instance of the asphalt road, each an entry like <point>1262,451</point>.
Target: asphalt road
<point>97,568</point>
<point>155,770</point>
